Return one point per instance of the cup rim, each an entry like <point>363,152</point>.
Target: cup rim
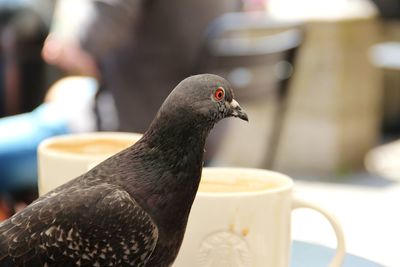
<point>287,183</point>
<point>42,148</point>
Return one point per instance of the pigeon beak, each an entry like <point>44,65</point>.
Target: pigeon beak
<point>237,111</point>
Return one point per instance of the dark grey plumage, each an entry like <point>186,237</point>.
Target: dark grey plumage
<point>131,209</point>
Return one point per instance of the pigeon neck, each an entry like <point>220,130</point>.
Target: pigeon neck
<point>181,135</point>
<point>178,142</point>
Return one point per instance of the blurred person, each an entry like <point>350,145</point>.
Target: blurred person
<point>142,48</point>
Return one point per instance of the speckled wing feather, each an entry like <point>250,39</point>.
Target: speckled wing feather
<point>93,226</point>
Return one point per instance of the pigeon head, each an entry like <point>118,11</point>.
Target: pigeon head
<point>204,99</point>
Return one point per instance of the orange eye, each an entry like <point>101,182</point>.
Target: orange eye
<point>219,93</point>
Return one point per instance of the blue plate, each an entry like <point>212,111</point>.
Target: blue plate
<point>312,255</point>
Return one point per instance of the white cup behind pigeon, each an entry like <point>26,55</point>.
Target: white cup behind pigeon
<point>241,218</point>
<point>65,157</point>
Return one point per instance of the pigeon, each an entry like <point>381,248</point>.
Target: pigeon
<point>132,208</point>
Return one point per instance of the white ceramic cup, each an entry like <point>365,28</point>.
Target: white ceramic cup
<point>240,229</point>
<point>57,166</point>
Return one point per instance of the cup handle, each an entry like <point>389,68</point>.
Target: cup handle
<point>338,258</point>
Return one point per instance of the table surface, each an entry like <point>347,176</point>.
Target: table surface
<point>312,255</point>
<point>368,208</point>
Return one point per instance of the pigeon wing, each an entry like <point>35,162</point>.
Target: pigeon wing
<point>95,226</point>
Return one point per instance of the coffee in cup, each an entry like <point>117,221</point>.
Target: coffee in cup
<point>98,146</point>
<point>234,185</point>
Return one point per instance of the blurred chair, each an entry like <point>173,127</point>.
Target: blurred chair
<point>386,57</point>
<point>388,8</point>
<point>256,54</point>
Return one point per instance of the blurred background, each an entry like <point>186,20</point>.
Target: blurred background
<point>319,79</point>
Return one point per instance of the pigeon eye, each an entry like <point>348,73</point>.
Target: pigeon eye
<point>219,93</point>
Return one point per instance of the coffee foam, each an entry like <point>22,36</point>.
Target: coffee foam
<point>96,146</point>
